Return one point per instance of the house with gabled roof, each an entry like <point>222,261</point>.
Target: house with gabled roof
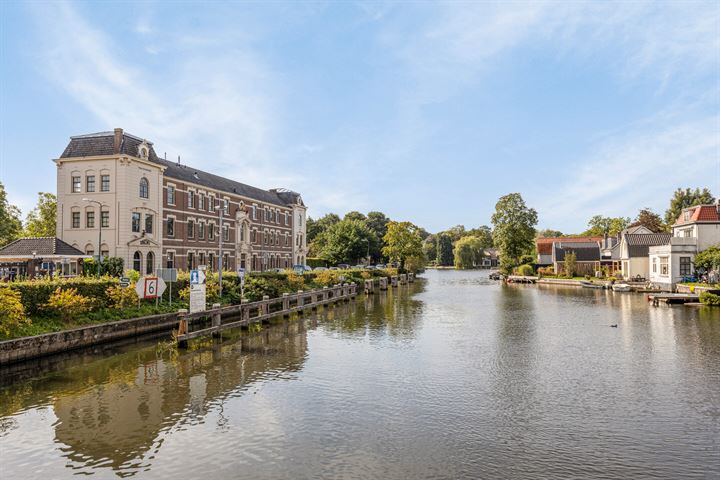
<point>587,256</point>
<point>696,229</point>
<point>634,245</point>
<point>544,247</point>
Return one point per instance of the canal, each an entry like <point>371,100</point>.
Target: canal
<point>452,377</point>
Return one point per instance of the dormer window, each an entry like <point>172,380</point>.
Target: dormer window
<point>143,151</point>
<point>686,215</point>
<point>144,188</point>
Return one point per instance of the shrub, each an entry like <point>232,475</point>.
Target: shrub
<point>12,312</point>
<point>708,298</point>
<point>122,297</point>
<point>295,281</point>
<point>112,266</point>
<point>545,271</point>
<point>133,275</point>
<point>36,293</point>
<point>68,303</point>
<point>525,270</point>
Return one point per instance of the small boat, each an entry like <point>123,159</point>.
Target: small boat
<point>495,276</point>
<point>587,284</point>
<point>621,287</point>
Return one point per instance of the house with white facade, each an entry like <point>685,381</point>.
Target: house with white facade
<point>696,229</point>
<point>634,248</point>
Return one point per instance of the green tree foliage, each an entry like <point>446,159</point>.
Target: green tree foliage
<point>316,227</point>
<point>377,221</point>
<point>456,232</point>
<point>650,220</point>
<point>708,259</point>
<point>570,264</point>
<point>549,233</point>
<point>40,222</point>
<point>355,216</point>
<point>430,248</point>
<point>10,224</point>
<point>402,243</point>
<point>687,198</point>
<point>599,226</point>
<point>346,242</point>
<point>468,252</point>
<point>444,250</point>
<point>12,312</point>
<point>514,232</point>
<point>484,233</point>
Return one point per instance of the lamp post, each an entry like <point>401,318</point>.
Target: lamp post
<point>221,212</point>
<point>99,220</point>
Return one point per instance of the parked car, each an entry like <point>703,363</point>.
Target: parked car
<point>319,269</point>
<point>343,266</point>
<point>359,267</point>
<point>380,266</point>
<point>276,270</point>
<point>369,267</point>
<point>304,268</point>
<point>334,268</point>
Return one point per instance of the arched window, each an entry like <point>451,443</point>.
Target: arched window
<point>144,188</point>
<point>150,263</point>
<point>137,262</point>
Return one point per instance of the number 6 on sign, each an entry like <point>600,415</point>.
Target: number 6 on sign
<point>150,287</point>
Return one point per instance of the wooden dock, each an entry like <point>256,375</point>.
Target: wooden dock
<point>260,311</point>
<point>520,279</point>
<point>672,298</point>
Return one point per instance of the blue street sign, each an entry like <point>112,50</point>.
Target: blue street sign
<point>194,277</point>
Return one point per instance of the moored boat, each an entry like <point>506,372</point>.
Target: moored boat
<point>587,284</point>
<point>621,287</point>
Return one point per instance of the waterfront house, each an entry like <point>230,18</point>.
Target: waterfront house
<point>491,258</point>
<point>154,212</point>
<point>40,256</point>
<point>696,229</point>
<point>634,248</point>
<point>544,247</point>
<point>587,256</point>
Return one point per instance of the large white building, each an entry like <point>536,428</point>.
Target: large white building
<point>118,198</point>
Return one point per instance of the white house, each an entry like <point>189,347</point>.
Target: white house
<point>696,229</point>
<point>634,247</point>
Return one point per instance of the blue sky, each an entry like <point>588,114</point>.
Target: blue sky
<point>426,111</point>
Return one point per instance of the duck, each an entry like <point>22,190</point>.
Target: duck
<point>614,326</point>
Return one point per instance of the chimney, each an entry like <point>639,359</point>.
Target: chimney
<point>117,142</point>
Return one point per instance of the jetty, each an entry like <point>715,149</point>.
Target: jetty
<point>672,298</point>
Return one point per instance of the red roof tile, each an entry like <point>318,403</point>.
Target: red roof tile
<point>701,213</point>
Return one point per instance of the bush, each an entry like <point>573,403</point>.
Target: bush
<point>68,303</point>
<point>36,293</point>
<point>708,298</point>
<point>546,271</point>
<point>525,270</point>
<point>12,312</point>
<point>119,297</point>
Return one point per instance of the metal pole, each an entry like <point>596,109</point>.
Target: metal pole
<point>220,255</point>
<point>99,238</point>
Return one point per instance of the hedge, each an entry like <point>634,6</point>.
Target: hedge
<point>36,293</point>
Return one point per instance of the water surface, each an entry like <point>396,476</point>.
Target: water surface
<point>452,377</point>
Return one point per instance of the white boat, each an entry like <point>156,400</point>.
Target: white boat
<point>586,284</point>
<point>621,287</point>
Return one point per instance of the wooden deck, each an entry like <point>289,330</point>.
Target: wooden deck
<point>672,298</point>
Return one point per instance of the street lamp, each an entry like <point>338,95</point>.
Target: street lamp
<point>100,205</point>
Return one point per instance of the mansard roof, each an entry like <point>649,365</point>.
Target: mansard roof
<point>105,143</point>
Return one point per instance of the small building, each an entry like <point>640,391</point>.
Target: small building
<point>544,247</point>
<point>634,245</point>
<point>587,256</point>
<point>31,257</point>
<point>491,258</point>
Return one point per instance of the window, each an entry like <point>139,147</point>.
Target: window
<point>300,220</point>
<point>190,199</point>
<point>201,201</point>
<point>148,224</point>
<point>170,227</point>
<point>191,260</point>
<point>89,251</point>
<point>287,240</point>
<point>104,183</point>
<point>201,230</point>
<point>171,195</point>
<point>76,185</point>
<point>226,261</point>
<point>253,236</point>
<point>685,268</point>
<point>242,232</point>
<point>90,183</point>
<point>267,214</point>
<point>144,188</point>
<point>254,212</point>
<point>105,253</point>
<point>89,219</point>
<point>201,258</point>
<point>137,261</point>
<point>287,219</point>
<point>75,219</point>
<point>105,219</point>
<point>170,260</point>
<point>191,228</point>
<point>226,233</point>
<point>211,261</point>
<point>664,266</point>
<point>150,262</point>
<point>226,206</point>
<point>211,203</point>
<point>654,265</point>
<point>136,222</point>
<point>686,215</point>
<point>211,231</point>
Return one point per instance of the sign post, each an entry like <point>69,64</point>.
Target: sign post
<point>197,291</point>
<point>241,277</point>
<point>170,276</point>
<point>150,287</point>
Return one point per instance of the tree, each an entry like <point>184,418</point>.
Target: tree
<point>650,220</point>
<point>444,250</point>
<point>514,232</point>
<point>430,248</point>
<point>315,227</point>
<point>484,233</point>
<point>468,252</point>
<point>41,221</point>
<point>548,233</point>
<point>600,226</point>
<point>346,242</point>
<point>403,242</point>
<point>708,259</point>
<point>687,198</point>
<point>355,216</point>
<point>377,221</point>
<point>456,232</point>
<point>570,263</point>
<point>10,224</point>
